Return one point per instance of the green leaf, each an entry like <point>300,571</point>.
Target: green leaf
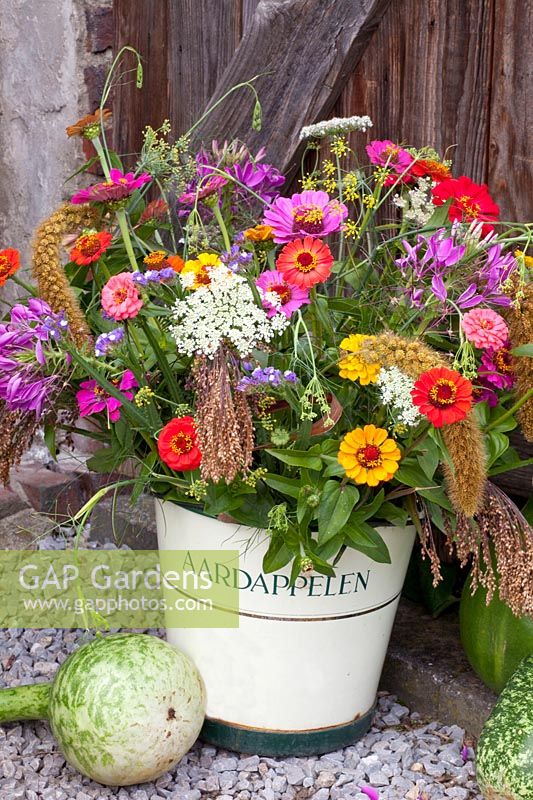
<point>336,505</point>
<point>277,556</point>
<point>394,514</point>
<point>436,495</point>
<point>523,350</point>
<point>414,476</point>
<point>365,512</point>
<point>363,537</point>
<point>439,218</point>
<point>50,440</point>
<point>106,460</point>
<point>497,444</point>
<point>297,458</point>
<point>428,457</point>
<point>283,485</point>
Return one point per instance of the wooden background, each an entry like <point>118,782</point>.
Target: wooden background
<point>447,73</point>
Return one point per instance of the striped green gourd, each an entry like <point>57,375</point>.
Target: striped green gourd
<point>504,758</point>
<point>494,640</point>
<point>124,708</point>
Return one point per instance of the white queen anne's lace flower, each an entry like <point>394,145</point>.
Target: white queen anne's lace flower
<point>335,127</point>
<point>416,203</point>
<point>223,312</point>
<point>395,391</point>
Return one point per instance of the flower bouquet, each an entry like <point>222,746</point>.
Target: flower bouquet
<point>316,362</point>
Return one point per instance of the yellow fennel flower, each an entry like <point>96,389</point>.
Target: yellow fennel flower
<point>353,367</point>
<point>368,455</point>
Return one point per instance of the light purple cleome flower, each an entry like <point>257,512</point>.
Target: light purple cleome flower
<point>263,179</point>
<point>118,187</point>
<point>429,265</point>
<point>265,376</point>
<point>24,385</point>
<point>106,341</point>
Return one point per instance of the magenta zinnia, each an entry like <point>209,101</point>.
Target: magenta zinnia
<point>278,295</point>
<point>118,187</point>
<point>307,214</point>
<point>92,398</point>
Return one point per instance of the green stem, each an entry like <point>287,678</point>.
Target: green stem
<point>511,412</point>
<point>162,362</point>
<point>26,286</point>
<point>123,225</point>
<point>102,156</point>
<point>222,226</point>
<point>24,702</point>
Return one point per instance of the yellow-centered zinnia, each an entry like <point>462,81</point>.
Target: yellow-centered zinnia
<point>351,366</point>
<point>199,266</point>
<point>368,455</point>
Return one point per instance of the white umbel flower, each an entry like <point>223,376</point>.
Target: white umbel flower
<point>416,203</point>
<point>395,391</point>
<point>335,127</point>
<point>224,312</point>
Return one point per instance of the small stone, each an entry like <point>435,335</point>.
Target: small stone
<point>325,779</point>
<point>322,794</point>
<point>457,792</point>
<point>378,778</point>
<point>251,763</point>
<point>224,764</point>
<point>295,775</point>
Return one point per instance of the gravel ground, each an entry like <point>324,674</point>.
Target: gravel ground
<point>403,756</point>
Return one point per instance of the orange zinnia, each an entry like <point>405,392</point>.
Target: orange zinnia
<point>9,263</point>
<point>443,396</point>
<point>88,124</point>
<point>89,247</point>
<point>368,455</point>
<point>305,262</point>
<point>261,233</point>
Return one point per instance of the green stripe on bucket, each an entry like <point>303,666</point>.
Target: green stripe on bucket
<point>284,743</point>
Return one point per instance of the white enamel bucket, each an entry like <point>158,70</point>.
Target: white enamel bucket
<point>300,673</point>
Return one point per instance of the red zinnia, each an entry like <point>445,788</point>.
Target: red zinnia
<point>178,445</point>
<point>89,247</point>
<point>471,201</point>
<point>9,263</point>
<point>443,396</point>
<point>304,262</point>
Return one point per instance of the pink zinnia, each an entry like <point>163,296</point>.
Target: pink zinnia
<point>388,154</point>
<point>307,214</point>
<point>290,297</point>
<point>92,399</point>
<point>120,297</point>
<point>485,328</point>
<point>118,187</point>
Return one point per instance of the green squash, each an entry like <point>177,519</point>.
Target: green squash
<point>494,640</point>
<point>504,758</point>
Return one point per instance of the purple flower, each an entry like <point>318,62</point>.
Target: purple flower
<point>263,179</point>
<point>308,213</point>
<point>199,190</point>
<point>497,367</point>
<point>106,341</point>
<point>236,258</point>
<point>153,276</point>
<point>265,376</point>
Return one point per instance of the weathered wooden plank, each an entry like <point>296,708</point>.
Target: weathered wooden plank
<point>425,79</point>
<point>143,24</point>
<point>203,38</point>
<point>303,50</point>
<point>511,131</point>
